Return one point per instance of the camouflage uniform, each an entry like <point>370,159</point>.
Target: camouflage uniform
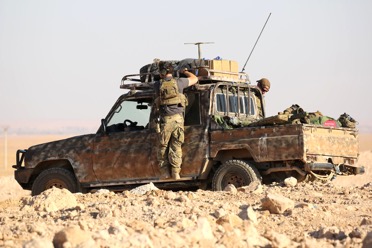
<point>171,138</point>
<point>264,86</point>
<point>171,135</point>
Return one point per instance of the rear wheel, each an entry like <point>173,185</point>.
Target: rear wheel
<point>55,177</point>
<point>236,172</point>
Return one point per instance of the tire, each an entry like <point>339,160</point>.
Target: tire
<point>55,177</point>
<point>236,172</point>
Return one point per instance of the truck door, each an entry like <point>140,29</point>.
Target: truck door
<point>194,149</point>
<point>127,150</point>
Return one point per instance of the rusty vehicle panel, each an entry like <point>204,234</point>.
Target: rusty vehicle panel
<point>221,146</point>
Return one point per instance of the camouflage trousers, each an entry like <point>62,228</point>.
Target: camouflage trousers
<point>171,138</point>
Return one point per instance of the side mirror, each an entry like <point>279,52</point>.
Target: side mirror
<point>103,126</point>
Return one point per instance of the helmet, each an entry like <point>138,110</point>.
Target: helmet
<point>264,82</point>
<point>165,68</point>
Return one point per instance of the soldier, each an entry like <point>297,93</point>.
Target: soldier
<point>264,85</point>
<point>171,104</point>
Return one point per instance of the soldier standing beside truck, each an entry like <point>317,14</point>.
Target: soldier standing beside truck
<point>171,103</point>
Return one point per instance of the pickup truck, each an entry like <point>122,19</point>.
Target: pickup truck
<point>221,146</point>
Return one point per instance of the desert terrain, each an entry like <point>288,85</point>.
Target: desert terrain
<point>333,214</point>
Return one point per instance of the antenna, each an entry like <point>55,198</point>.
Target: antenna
<point>256,42</point>
<point>198,44</point>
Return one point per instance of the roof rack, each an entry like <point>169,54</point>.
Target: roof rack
<point>205,75</point>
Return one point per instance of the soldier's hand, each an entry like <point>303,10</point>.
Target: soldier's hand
<point>183,70</point>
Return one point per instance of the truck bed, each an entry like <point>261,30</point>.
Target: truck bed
<point>303,142</point>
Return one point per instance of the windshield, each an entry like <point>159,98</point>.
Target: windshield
<point>133,111</point>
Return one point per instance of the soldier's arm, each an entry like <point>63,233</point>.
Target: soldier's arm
<point>191,77</point>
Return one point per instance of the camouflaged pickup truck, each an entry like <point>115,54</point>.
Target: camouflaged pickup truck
<point>221,145</point>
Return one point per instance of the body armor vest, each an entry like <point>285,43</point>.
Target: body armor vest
<point>168,93</point>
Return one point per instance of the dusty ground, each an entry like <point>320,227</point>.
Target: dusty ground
<point>336,214</point>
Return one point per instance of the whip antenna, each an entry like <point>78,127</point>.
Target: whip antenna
<point>256,42</point>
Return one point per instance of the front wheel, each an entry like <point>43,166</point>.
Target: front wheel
<point>55,177</point>
<point>236,172</point>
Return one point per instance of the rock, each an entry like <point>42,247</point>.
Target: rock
<point>230,188</point>
<point>200,234</point>
<point>143,189</point>
<point>254,239</point>
<point>367,241</point>
<point>204,228</point>
<point>356,233</point>
<point>139,240</point>
<point>186,223</point>
<point>52,200</point>
<point>290,182</point>
<point>231,219</point>
<point>72,236</point>
<point>104,211</point>
<point>219,213</point>
<point>254,187</point>
<point>183,198</point>
<point>38,243</point>
<point>117,229</point>
<point>103,191</point>
<point>366,222</point>
<point>277,204</point>
<point>330,233</point>
<point>278,240</point>
<point>251,215</point>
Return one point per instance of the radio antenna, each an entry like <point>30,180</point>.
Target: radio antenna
<point>256,42</point>
<point>199,49</point>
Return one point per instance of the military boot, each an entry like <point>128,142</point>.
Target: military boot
<point>176,175</point>
<point>164,173</point>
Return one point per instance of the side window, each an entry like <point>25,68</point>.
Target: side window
<point>245,108</point>
<point>221,102</point>
<point>252,110</point>
<point>192,112</point>
<point>233,104</point>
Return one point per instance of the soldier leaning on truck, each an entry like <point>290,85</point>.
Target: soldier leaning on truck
<point>171,103</point>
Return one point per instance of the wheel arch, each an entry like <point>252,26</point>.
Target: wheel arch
<point>229,154</point>
<point>57,163</point>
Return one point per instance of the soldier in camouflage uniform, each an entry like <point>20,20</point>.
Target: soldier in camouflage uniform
<point>171,103</point>
<point>264,85</point>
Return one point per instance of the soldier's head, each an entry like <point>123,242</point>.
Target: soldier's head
<point>165,68</point>
<point>264,85</point>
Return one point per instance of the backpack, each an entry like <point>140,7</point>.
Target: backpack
<point>347,121</point>
<point>169,94</point>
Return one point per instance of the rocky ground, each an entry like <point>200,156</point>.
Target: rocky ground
<point>335,214</point>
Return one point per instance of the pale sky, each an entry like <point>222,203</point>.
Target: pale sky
<point>61,62</point>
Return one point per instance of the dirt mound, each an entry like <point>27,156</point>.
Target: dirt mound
<point>311,215</point>
<point>334,214</point>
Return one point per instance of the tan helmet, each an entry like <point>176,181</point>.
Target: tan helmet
<point>264,82</point>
